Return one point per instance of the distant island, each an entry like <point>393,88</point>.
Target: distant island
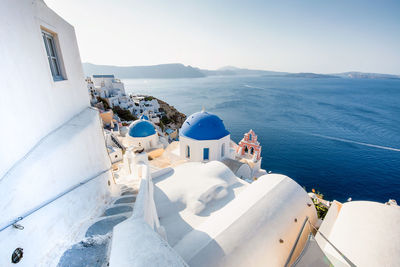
<point>310,75</point>
<point>178,70</point>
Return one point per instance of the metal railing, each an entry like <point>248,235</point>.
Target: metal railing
<point>289,260</point>
<point>44,204</point>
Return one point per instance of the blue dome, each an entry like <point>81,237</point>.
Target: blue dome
<point>144,117</point>
<point>203,126</point>
<point>141,128</point>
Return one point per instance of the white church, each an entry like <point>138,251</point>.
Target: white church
<point>203,137</point>
<point>63,203</point>
<point>142,133</point>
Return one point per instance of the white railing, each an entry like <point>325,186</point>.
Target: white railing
<point>145,207</point>
<point>140,240</point>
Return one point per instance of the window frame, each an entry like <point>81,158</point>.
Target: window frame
<point>53,56</point>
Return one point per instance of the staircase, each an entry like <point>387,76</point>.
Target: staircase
<point>117,142</point>
<point>94,249</point>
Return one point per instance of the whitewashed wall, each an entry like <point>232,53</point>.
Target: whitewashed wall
<point>248,230</point>
<point>51,140</point>
<point>196,148</point>
<point>147,142</point>
<point>28,92</point>
<point>67,157</point>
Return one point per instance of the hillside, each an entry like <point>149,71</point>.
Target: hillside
<point>177,70</point>
<point>310,75</point>
<point>363,75</point>
<point>165,71</point>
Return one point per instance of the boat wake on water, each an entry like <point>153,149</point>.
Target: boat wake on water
<point>355,142</point>
<point>254,87</point>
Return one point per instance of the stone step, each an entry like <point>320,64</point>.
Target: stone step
<point>92,251</point>
<point>117,210</point>
<point>105,226</point>
<point>94,248</point>
<point>129,199</point>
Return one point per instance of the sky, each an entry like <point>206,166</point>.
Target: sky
<point>322,36</point>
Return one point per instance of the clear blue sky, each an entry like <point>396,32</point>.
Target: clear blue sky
<point>323,36</point>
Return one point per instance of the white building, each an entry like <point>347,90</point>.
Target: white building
<point>144,106</point>
<point>365,232</point>
<point>58,198</point>
<point>142,133</point>
<point>203,137</point>
<point>54,167</point>
<point>108,83</point>
<point>109,88</point>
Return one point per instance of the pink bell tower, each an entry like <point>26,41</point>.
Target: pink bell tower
<point>250,146</point>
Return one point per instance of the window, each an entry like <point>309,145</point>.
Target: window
<point>206,154</point>
<point>250,137</point>
<point>52,56</point>
<point>252,151</point>
<point>188,152</point>
<point>223,150</point>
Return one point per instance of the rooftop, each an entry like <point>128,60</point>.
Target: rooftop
<point>141,128</point>
<point>203,126</point>
<point>103,76</point>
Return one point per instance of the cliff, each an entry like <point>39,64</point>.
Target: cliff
<point>173,118</point>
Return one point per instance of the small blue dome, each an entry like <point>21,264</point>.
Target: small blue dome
<point>141,128</point>
<point>144,117</point>
<point>203,126</point>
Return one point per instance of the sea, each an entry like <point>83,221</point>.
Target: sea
<point>338,136</point>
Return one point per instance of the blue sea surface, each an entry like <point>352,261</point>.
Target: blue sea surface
<point>339,136</point>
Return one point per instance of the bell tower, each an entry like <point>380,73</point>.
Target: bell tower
<point>249,146</point>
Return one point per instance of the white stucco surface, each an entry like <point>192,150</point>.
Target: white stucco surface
<point>29,93</point>
<point>135,244</point>
<point>148,142</point>
<point>63,159</point>
<point>247,231</point>
<point>213,218</point>
<point>197,146</point>
<point>365,232</point>
<point>52,141</point>
<point>140,240</point>
<point>188,195</point>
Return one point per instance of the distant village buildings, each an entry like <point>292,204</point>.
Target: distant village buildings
<point>79,191</point>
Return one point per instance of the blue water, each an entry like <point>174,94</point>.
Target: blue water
<point>339,136</point>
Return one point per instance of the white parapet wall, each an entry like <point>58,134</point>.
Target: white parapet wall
<point>140,241</point>
<point>363,233</point>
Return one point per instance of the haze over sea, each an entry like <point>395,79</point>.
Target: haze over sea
<point>339,136</point>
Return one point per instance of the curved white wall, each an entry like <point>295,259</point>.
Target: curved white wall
<point>247,231</point>
<point>197,146</point>
<point>147,142</point>
<point>366,232</point>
